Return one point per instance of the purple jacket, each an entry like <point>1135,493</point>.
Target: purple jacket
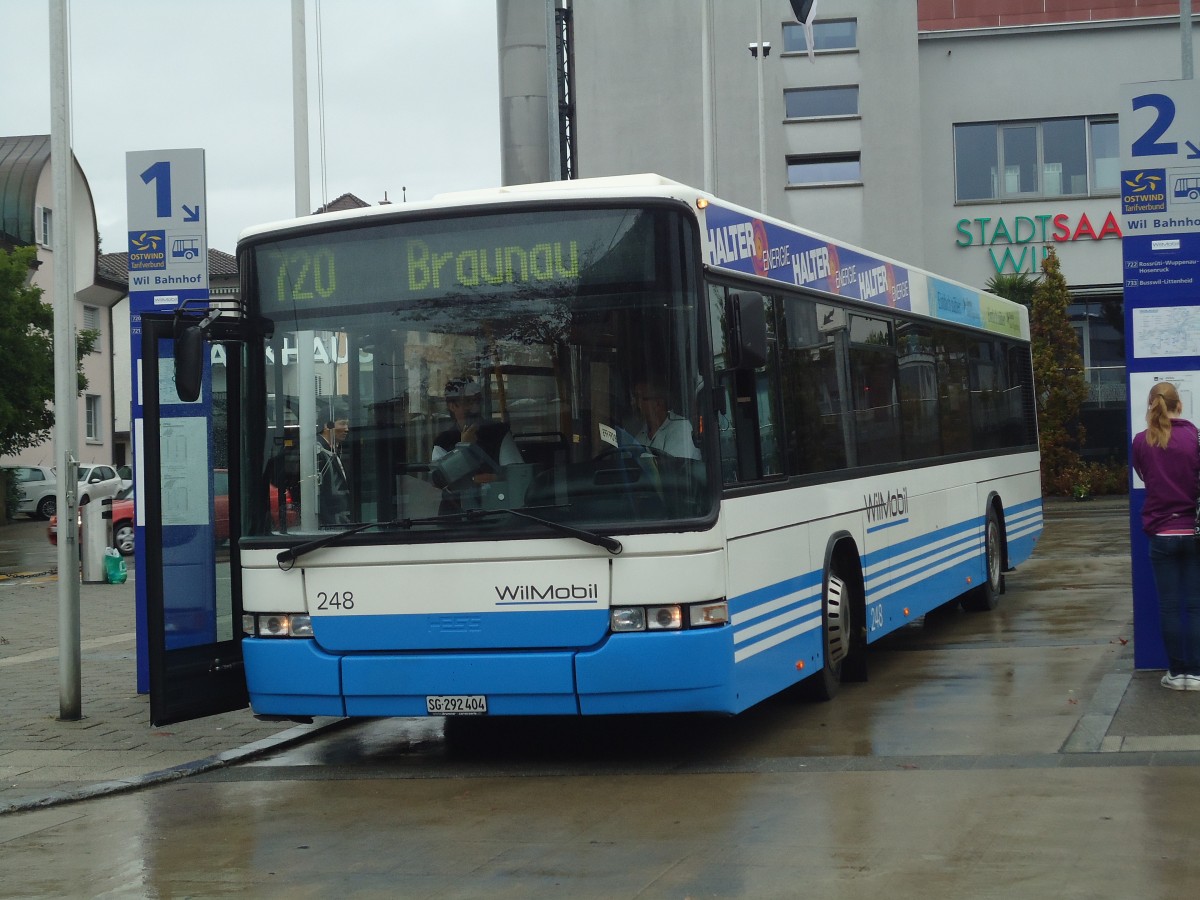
<point>1172,476</point>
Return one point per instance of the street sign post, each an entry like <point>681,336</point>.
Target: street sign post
<point>168,267</point>
<point>1160,203</point>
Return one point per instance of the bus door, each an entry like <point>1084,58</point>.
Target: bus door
<point>188,527</point>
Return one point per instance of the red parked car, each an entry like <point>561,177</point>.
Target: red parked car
<point>123,515</point>
<point>123,520</point>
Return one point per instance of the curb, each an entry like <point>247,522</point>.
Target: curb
<point>217,761</point>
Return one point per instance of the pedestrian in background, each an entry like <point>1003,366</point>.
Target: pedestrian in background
<point>1166,456</point>
<point>334,488</point>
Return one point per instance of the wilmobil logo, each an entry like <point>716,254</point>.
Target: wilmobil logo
<point>889,508</point>
<point>1143,191</point>
<point>508,594</point>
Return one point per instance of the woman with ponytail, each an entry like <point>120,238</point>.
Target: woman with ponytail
<point>1166,456</point>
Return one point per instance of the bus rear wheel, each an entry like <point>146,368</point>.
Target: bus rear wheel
<point>987,595</point>
<point>837,622</point>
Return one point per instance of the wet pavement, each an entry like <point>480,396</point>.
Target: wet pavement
<point>1011,754</point>
<point>44,760</point>
<point>1049,672</point>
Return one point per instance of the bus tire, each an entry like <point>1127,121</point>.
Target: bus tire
<point>843,656</point>
<point>987,595</point>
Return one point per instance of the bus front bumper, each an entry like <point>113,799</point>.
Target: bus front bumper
<point>661,672</point>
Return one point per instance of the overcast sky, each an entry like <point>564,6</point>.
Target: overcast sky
<point>410,98</point>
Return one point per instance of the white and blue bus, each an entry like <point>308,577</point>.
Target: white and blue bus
<point>608,446</point>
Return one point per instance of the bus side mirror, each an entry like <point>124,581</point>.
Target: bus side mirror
<point>189,362</point>
<point>747,329</point>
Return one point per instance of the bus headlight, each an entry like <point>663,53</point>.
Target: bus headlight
<point>627,618</point>
<point>664,618</point>
<point>273,626</point>
<point>277,625</point>
<point>668,618</point>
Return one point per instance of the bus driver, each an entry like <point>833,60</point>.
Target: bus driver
<point>662,429</point>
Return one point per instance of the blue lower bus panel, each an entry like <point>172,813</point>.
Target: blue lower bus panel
<point>688,671</point>
<point>292,678</point>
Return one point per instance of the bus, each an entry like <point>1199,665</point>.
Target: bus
<point>1188,187</point>
<point>852,445</point>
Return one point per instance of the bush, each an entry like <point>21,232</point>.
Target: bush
<point>8,491</point>
<point>1088,479</point>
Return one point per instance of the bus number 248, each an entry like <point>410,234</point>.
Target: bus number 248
<point>341,600</point>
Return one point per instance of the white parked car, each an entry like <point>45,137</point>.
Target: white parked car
<point>36,486</point>
<point>98,482</point>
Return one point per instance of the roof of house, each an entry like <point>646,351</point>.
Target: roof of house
<point>22,159</point>
<point>346,201</point>
<point>115,266</point>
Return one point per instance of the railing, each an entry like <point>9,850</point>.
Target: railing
<point>1106,387</point>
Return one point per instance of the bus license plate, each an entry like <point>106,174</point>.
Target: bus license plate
<point>456,705</point>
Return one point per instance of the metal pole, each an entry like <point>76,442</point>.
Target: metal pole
<point>706,96</point>
<point>305,364</point>
<point>300,107</point>
<point>66,387</point>
<point>762,135</point>
<point>1185,36</point>
<point>553,121</point>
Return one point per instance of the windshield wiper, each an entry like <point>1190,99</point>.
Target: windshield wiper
<point>612,545</point>
<point>287,558</point>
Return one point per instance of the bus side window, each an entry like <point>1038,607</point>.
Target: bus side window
<point>918,391</point>
<point>875,394</point>
<point>812,368</point>
<point>724,395</point>
<point>950,349</point>
<point>747,413</point>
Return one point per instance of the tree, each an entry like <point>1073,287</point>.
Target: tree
<point>27,348</point>
<point>1058,376</point>
<point>1059,380</point>
<point>1017,286</point>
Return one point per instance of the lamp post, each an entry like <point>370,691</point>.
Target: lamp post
<point>1185,37</point>
<point>765,46</point>
<point>66,390</point>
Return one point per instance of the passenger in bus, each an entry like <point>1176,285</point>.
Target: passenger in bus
<point>662,429</point>
<point>464,403</point>
<point>334,499</point>
<point>1165,457</point>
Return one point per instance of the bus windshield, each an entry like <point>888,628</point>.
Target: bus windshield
<point>417,371</point>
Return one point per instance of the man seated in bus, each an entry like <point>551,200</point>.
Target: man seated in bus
<point>464,402</point>
<point>662,429</point>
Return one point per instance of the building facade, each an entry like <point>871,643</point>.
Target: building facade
<point>27,217</point>
<point>969,138</point>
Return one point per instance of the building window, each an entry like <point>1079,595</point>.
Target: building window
<point>93,417</point>
<point>820,102</point>
<point>45,226</point>
<point>834,35</point>
<point>1105,155</point>
<point>845,168</point>
<point>1077,157</point>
